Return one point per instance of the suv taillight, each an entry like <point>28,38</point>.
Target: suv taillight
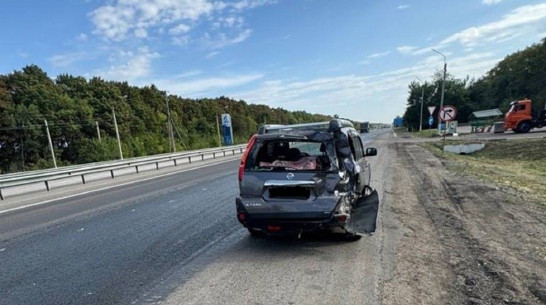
<point>245,156</point>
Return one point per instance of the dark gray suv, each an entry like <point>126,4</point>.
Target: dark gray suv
<point>307,177</point>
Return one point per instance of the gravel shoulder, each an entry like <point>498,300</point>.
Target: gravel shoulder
<point>467,242</point>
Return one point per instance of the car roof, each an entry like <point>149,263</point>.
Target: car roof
<point>306,135</point>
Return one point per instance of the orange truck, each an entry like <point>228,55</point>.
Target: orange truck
<point>520,119</point>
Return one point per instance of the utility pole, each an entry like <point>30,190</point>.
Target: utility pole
<point>50,144</point>
<point>98,130</point>
<point>117,134</point>
<point>422,102</point>
<point>172,144</point>
<point>443,88</point>
<point>218,130</point>
<point>23,146</point>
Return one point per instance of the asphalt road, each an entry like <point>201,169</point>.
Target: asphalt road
<point>175,239</point>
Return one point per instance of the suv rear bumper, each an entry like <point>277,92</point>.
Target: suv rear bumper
<point>286,223</point>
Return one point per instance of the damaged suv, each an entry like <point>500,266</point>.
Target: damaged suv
<point>307,177</point>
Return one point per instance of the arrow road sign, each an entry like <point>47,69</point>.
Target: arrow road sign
<point>431,109</point>
<point>447,113</point>
<point>430,121</point>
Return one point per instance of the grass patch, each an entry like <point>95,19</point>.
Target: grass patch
<point>427,133</point>
<point>518,164</point>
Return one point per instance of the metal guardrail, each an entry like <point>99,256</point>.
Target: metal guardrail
<point>46,176</point>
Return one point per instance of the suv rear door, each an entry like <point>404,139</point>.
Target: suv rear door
<point>290,177</point>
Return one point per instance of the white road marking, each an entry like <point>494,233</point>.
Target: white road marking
<point>110,187</point>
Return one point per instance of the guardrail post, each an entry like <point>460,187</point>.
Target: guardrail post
<point>202,157</point>
<point>112,173</point>
<point>1,196</point>
<point>136,167</point>
<point>189,159</point>
<point>83,179</point>
<point>241,149</point>
<point>214,155</point>
<point>157,165</point>
<point>233,151</point>
<point>175,162</point>
<point>46,185</point>
<point>224,152</point>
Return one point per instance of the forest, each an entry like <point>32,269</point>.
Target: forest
<point>74,106</point>
<point>519,75</point>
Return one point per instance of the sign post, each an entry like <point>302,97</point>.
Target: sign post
<point>446,114</point>
<point>431,119</point>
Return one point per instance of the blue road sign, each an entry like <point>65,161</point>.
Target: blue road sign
<point>430,121</point>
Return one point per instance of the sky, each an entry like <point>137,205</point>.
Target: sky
<point>353,58</point>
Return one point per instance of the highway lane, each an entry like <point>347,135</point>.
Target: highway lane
<point>314,270</point>
<point>102,248</point>
<point>176,239</point>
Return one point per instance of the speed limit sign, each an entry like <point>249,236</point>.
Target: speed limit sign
<point>447,113</point>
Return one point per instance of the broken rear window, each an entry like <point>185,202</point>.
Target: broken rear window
<point>292,155</point>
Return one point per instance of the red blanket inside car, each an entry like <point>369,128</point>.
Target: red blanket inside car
<point>305,163</point>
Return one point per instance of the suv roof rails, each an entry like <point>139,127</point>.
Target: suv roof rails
<point>331,126</point>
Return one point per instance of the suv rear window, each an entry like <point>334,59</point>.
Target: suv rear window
<point>278,155</point>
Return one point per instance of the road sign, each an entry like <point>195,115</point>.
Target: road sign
<point>447,113</point>
<point>431,109</point>
<point>227,129</point>
<point>430,121</point>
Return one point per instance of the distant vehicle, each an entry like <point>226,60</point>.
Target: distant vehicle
<point>307,177</point>
<point>364,127</point>
<point>520,119</point>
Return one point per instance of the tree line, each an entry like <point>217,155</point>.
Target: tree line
<point>519,75</point>
<point>73,107</point>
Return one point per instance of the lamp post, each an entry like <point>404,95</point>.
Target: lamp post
<point>422,102</point>
<point>443,87</point>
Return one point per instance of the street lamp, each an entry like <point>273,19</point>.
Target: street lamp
<point>422,100</point>
<point>443,87</point>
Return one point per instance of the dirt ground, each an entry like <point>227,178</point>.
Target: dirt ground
<point>464,241</point>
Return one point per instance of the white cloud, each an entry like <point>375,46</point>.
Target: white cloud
<point>247,4</point>
<point>378,55</point>
<point>357,96</point>
<point>212,54</point>
<point>402,7</point>
<point>134,66</point>
<point>81,37</point>
<point>521,21</point>
<point>491,2</point>
<point>205,87</point>
<point>64,60</point>
<point>125,18</point>
<point>406,49</point>
<point>222,40</point>
<point>181,40</point>
<point>180,29</point>
<point>189,74</point>
<point>141,33</point>
<point>229,22</point>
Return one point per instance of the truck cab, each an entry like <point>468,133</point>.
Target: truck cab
<point>519,118</point>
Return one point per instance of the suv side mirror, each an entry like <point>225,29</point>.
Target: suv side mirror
<point>370,151</point>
